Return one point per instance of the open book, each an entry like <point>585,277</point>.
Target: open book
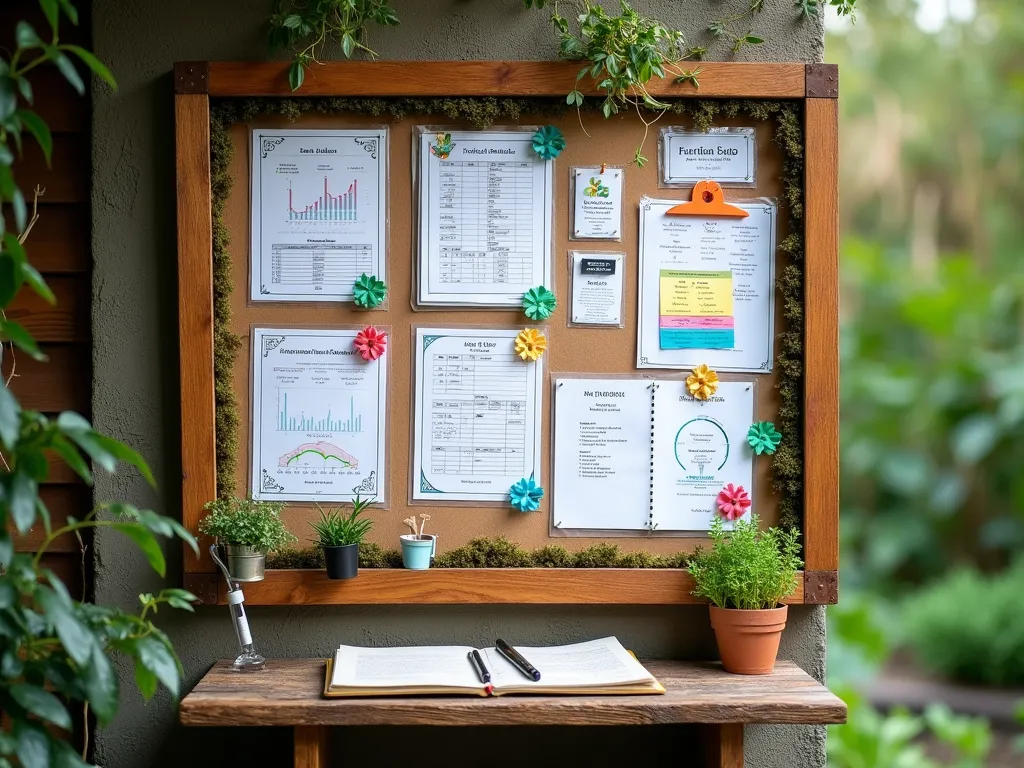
<point>595,667</point>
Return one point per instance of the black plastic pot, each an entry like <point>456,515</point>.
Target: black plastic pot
<point>342,562</point>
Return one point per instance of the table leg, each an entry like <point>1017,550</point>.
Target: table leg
<point>312,744</point>
<point>725,745</point>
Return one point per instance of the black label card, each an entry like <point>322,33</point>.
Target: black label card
<point>598,266</point>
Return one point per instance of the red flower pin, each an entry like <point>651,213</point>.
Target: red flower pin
<point>733,502</point>
<point>370,342</point>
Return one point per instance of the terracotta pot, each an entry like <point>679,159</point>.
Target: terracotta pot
<point>748,641</point>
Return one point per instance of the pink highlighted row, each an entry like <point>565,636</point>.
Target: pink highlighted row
<point>694,321</point>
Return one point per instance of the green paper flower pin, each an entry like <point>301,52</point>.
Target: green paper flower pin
<point>763,437</point>
<point>548,142</point>
<point>539,303</point>
<point>369,291</point>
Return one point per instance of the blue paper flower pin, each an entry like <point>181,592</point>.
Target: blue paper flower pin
<point>548,142</point>
<point>526,495</point>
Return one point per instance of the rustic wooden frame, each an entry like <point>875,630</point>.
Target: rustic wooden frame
<point>816,85</point>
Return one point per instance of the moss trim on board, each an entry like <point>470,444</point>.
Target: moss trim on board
<point>787,462</point>
<point>497,552</point>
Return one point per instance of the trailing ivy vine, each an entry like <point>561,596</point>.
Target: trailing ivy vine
<point>787,462</point>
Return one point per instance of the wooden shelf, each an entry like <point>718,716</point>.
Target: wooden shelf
<point>288,693</point>
<point>524,586</point>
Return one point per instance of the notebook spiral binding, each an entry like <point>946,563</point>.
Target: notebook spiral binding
<point>650,494</point>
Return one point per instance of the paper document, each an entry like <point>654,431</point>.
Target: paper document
<point>319,417</point>
<point>707,288</point>
<point>484,217</point>
<point>318,212</point>
<point>477,415</point>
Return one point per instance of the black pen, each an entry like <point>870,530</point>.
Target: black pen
<point>478,665</point>
<point>515,658</point>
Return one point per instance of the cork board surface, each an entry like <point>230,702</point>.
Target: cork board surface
<point>571,350</point>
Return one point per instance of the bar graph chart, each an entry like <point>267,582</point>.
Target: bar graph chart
<point>327,207</point>
<point>310,411</point>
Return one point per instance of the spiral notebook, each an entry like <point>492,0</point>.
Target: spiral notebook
<point>641,454</point>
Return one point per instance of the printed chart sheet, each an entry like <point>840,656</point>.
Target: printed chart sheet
<point>318,212</point>
<point>319,417</point>
<point>706,288</point>
<point>484,217</point>
<point>697,447</point>
<point>477,415</point>
<point>602,454</point>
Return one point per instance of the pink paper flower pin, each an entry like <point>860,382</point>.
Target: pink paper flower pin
<point>733,502</point>
<point>370,342</point>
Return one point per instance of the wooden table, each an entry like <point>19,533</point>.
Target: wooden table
<point>289,693</point>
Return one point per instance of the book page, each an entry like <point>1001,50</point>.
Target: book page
<point>602,453</point>
<point>422,666</point>
<point>484,217</point>
<point>699,446</point>
<point>593,664</point>
<point>319,417</point>
<point>318,211</point>
<point>707,288</point>
<point>477,415</point>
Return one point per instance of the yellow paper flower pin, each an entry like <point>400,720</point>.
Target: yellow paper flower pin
<point>702,383</point>
<point>530,344</point>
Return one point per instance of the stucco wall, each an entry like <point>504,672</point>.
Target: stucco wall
<point>136,394</point>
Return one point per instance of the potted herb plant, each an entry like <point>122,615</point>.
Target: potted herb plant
<point>746,575</point>
<point>418,548</point>
<point>247,529</point>
<point>340,535</point>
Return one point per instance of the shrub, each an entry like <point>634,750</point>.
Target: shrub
<point>746,568</point>
<point>247,522</point>
<point>498,552</point>
<point>970,627</point>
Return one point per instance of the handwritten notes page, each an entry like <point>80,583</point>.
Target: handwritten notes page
<point>319,212</point>
<point>319,417</point>
<point>485,209</point>
<point>706,288</point>
<point>477,415</point>
<point>698,446</point>
<point>602,454</point>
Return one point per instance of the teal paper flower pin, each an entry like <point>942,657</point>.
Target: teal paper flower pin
<point>548,142</point>
<point>369,291</point>
<point>526,495</point>
<point>539,303</point>
<point>763,437</point>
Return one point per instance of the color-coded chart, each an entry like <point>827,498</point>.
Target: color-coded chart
<point>328,207</point>
<point>696,310</point>
<point>326,421</point>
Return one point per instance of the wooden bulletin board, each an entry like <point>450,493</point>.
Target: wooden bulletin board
<point>572,350</point>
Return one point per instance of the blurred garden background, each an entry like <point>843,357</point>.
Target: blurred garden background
<point>932,609</point>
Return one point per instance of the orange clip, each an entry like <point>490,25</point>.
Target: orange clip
<point>707,200</point>
<point>603,166</point>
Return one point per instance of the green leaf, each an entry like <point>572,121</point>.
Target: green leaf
<point>66,757</point>
<point>8,99</point>
<point>21,500</point>
<point>176,602</point>
<point>25,35</point>
<point>26,88</point>
<point>160,661</point>
<point>93,63</point>
<point>70,73</point>
<point>753,40</point>
<point>146,542</point>
<point>9,283</point>
<point>296,74</point>
<point>71,457</point>
<point>100,684</point>
<point>35,280</point>
<point>77,640</point>
<point>38,128</point>
<point>122,452</point>
<point>20,211</point>
<point>292,21</point>
<point>10,422</point>
<point>52,12</point>
<point>6,548</point>
<point>145,680</point>
<point>42,704</point>
<point>348,45</point>
<point>16,333</point>
<point>70,11</point>
<point>33,748</point>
